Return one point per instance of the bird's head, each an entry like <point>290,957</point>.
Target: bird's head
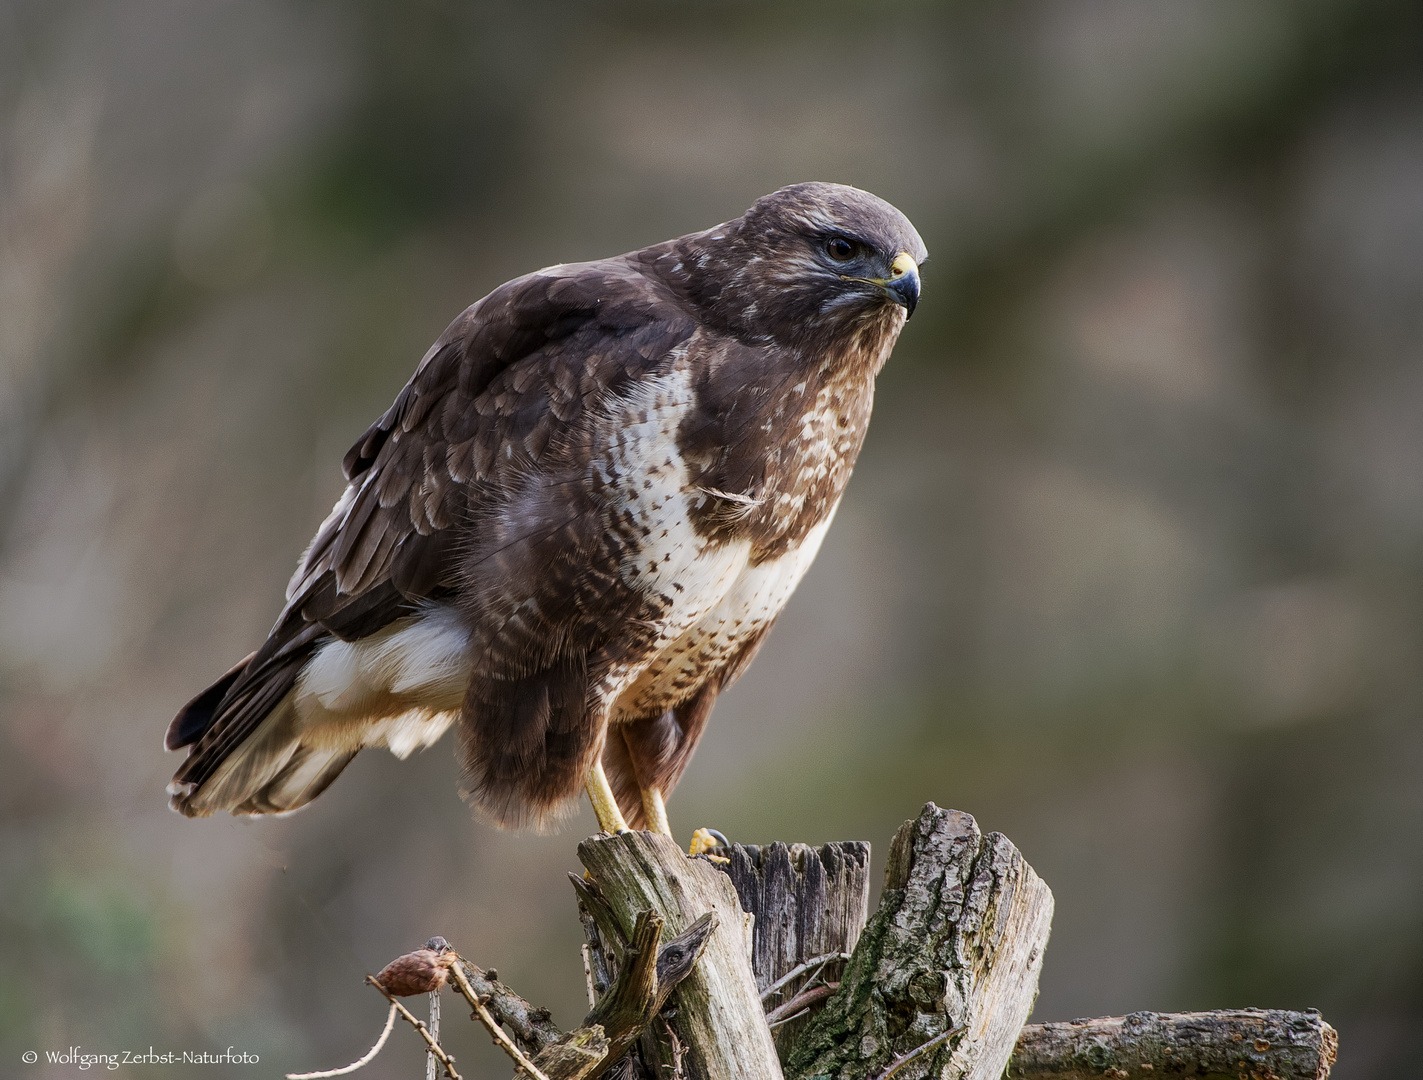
<point>810,261</point>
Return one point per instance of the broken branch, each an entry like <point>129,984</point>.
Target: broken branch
<point>504,1042</point>
<point>530,1025</point>
<point>1265,1043</point>
<point>816,962</point>
<point>804,1000</point>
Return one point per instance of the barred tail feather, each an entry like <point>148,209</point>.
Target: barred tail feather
<point>271,772</point>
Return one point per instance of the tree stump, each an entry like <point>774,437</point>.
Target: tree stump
<point>939,984</point>
<point>808,903</point>
<point>946,972</point>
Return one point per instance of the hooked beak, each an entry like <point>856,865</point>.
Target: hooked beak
<point>902,285</point>
<point>903,282</point>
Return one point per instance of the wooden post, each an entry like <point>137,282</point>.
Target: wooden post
<point>719,1022</point>
<point>808,902</point>
<point>946,972</point>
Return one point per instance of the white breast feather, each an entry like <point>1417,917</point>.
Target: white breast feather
<point>686,574</point>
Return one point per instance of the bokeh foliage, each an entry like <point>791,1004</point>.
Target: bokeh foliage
<point>1130,568</point>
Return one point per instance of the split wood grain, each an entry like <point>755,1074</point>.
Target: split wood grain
<point>807,902</point>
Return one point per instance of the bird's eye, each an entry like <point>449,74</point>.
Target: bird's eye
<point>840,249</point>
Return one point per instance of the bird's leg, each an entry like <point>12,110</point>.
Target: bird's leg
<point>655,811</point>
<point>605,805</point>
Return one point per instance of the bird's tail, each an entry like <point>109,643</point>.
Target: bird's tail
<point>247,755</point>
<point>271,772</point>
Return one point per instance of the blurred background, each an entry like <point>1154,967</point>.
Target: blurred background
<point>1131,567</point>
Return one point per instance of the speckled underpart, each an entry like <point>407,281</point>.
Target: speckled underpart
<point>577,522</point>
<point>747,608</point>
<point>680,573</point>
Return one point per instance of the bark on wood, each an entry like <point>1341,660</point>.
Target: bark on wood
<point>957,943</point>
<point>631,1003</point>
<point>579,1055</point>
<point>807,902</point>
<point>606,942</point>
<point>939,984</point>
<point>601,963</point>
<point>1258,1044</point>
<point>719,1029</point>
<point>629,1006</point>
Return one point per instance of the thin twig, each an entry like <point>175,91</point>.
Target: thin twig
<point>801,969</point>
<point>419,1025</point>
<point>431,1071</point>
<point>677,1052</point>
<point>489,1022</point>
<point>905,1058</point>
<point>529,1025</point>
<point>588,975</point>
<point>781,1023</point>
<point>370,1054</point>
<point>804,1000</point>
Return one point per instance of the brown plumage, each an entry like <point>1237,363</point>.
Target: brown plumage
<point>578,521</point>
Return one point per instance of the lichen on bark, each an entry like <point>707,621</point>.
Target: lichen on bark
<point>957,943</point>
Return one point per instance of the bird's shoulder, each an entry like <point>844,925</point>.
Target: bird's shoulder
<point>558,333</point>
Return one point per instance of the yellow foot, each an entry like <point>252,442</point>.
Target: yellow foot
<point>605,806</point>
<point>707,840</point>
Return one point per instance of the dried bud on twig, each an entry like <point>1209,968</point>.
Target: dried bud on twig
<point>417,972</point>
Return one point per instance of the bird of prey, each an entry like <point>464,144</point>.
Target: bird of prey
<point>576,524</point>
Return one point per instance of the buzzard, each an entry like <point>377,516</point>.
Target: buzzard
<point>576,524</point>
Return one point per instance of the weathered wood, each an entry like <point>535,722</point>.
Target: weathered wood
<point>480,1011</point>
<point>719,1025</point>
<point>1259,1044</point>
<point>630,1005</point>
<point>807,902</point>
<point>648,977</point>
<point>677,958</point>
<point>606,941</point>
<point>651,972</point>
<point>950,959</point>
<point>632,1001</point>
<point>602,962</point>
<point>579,1055</point>
<point>938,985</point>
